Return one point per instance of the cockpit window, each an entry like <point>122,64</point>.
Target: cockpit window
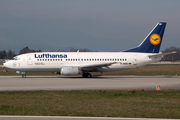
<point>15,58</point>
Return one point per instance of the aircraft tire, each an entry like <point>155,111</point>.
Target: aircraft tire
<point>83,75</point>
<point>24,76</point>
<point>86,75</point>
<point>89,75</point>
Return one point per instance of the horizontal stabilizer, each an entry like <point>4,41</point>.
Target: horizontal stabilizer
<point>162,54</point>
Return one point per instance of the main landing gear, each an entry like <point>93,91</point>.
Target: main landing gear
<point>86,75</point>
<point>23,75</point>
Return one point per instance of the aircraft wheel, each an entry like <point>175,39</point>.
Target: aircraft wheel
<point>24,76</point>
<point>86,75</point>
<point>89,75</point>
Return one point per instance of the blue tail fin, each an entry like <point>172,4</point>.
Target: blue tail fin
<point>152,43</point>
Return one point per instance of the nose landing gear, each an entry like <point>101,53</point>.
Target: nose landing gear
<point>23,74</point>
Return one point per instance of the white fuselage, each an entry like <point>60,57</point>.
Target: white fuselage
<point>73,63</point>
<point>53,61</point>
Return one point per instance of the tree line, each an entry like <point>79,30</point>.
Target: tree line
<point>7,55</point>
<point>10,54</point>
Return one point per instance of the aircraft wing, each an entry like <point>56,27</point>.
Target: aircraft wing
<point>95,66</point>
<point>162,54</point>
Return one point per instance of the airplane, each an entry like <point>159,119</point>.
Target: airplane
<point>74,63</point>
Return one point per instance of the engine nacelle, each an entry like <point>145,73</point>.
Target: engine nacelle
<point>69,70</point>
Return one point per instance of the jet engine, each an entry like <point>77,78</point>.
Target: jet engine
<point>69,70</point>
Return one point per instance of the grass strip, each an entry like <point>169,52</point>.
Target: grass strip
<point>139,104</point>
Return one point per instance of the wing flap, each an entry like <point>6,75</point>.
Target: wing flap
<point>95,66</point>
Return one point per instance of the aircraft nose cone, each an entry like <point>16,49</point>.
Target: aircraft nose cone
<point>7,64</point>
<point>4,64</point>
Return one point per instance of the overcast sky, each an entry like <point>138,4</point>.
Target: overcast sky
<point>99,25</point>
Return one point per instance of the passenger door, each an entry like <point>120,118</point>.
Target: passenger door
<point>135,60</point>
<point>29,60</point>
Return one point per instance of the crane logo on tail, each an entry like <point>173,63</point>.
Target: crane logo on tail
<point>155,39</point>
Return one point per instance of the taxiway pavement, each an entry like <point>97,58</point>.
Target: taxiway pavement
<point>17,83</point>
